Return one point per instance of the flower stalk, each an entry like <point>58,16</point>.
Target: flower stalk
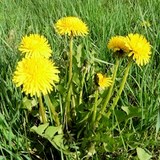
<point>95,107</point>
<point>52,108</point>
<point>68,101</point>
<point>120,89</point>
<point>109,92</point>
<point>70,58</point>
<point>42,110</point>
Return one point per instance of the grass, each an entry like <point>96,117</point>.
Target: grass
<point>105,18</point>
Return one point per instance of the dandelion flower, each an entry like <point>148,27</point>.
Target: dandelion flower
<point>118,44</point>
<point>140,49</point>
<point>35,45</point>
<point>103,81</point>
<point>71,26</point>
<point>36,75</point>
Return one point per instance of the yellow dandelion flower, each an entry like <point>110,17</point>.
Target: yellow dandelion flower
<point>103,81</point>
<point>71,26</point>
<point>140,49</point>
<point>118,44</point>
<point>36,75</point>
<point>35,45</point>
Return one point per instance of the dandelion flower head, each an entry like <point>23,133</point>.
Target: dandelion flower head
<point>140,48</point>
<point>36,75</point>
<point>35,45</point>
<point>103,81</point>
<point>118,44</point>
<point>71,26</point>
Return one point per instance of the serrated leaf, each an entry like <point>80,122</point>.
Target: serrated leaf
<point>51,131</point>
<point>33,129</point>
<point>121,116</point>
<point>132,111</point>
<point>29,104</point>
<point>40,129</point>
<point>58,140</point>
<point>53,143</point>
<point>126,109</point>
<point>142,154</point>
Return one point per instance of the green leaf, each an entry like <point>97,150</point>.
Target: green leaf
<point>158,122</point>
<point>3,121</point>
<point>51,131</point>
<point>132,111</point>
<point>58,140</point>
<point>53,143</point>
<point>29,104</point>
<point>76,79</point>
<point>61,89</point>
<point>33,129</point>
<point>121,116</point>
<point>142,154</point>
<point>126,109</point>
<point>79,54</point>
<point>40,129</point>
<point>2,158</point>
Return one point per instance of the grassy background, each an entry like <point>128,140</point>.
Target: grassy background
<point>104,18</point>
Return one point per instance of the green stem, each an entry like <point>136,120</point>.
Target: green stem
<point>69,85</point>
<point>120,89</point>
<point>109,92</point>
<point>82,83</point>
<point>70,58</point>
<point>52,108</point>
<point>42,110</point>
<point>95,107</point>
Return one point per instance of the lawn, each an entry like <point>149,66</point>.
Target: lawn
<point>82,117</point>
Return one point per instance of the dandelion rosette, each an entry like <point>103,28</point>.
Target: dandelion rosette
<point>35,45</point>
<point>71,26</point>
<point>118,44</point>
<point>36,75</point>
<point>140,48</point>
<point>103,81</point>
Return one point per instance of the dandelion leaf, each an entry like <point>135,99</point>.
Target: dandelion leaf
<point>51,131</point>
<point>40,129</point>
<point>142,154</point>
